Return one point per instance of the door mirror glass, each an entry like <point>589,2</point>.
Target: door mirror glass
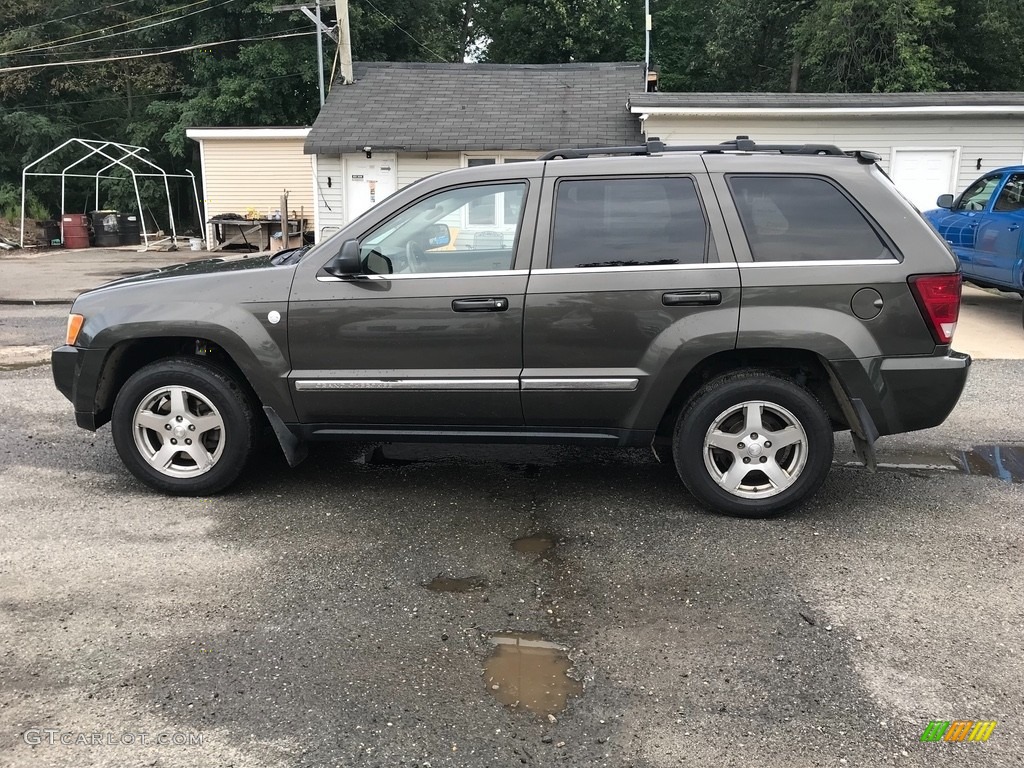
<point>346,262</point>
<point>945,201</point>
<point>438,236</point>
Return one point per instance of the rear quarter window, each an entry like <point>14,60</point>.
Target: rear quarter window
<point>803,218</point>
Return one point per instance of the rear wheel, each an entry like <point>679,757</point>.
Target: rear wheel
<point>753,444</point>
<point>184,426</point>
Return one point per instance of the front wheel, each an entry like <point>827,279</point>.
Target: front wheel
<point>184,427</point>
<point>753,444</point>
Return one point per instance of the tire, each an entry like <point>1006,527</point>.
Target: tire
<point>197,406</point>
<point>726,412</point>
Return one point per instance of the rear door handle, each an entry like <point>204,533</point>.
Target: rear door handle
<point>499,304</point>
<point>691,298</point>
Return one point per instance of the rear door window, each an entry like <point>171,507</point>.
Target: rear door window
<point>627,222</point>
<point>802,218</point>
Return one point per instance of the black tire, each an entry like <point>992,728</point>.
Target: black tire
<point>224,433</point>
<point>777,401</point>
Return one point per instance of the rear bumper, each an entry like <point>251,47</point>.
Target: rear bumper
<point>76,373</point>
<point>904,394</point>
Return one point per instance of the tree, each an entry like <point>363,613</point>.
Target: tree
<point>558,31</point>
<point>876,45</point>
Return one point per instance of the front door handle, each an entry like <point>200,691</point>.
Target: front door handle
<point>691,298</point>
<point>498,304</point>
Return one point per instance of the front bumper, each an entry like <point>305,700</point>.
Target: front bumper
<point>904,394</point>
<point>76,373</point>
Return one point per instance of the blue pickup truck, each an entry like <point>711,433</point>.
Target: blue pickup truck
<point>984,225</point>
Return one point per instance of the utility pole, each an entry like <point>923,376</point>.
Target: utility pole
<point>346,43</point>
<point>322,28</point>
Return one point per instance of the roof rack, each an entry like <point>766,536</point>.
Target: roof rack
<point>739,144</point>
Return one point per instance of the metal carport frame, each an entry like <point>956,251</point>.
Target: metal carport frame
<point>117,154</point>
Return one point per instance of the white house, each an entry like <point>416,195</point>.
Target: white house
<point>250,168</point>
<point>930,143</point>
<point>399,122</point>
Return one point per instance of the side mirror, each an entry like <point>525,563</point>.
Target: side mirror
<point>346,262</point>
<point>945,201</point>
<point>438,236</point>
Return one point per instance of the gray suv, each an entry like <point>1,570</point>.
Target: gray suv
<point>730,305</point>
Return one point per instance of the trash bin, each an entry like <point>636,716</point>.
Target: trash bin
<point>129,229</point>
<point>76,230</point>
<point>51,231</point>
<point>104,227</point>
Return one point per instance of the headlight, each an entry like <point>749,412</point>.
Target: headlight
<point>74,326</point>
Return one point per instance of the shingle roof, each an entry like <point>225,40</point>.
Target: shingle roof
<point>641,100</point>
<point>420,106</point>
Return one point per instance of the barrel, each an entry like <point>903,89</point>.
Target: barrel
<point>128,227</point>
<point>76,230</point>
<point>104,228</point>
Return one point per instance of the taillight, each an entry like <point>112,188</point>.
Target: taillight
<point>938,296</point>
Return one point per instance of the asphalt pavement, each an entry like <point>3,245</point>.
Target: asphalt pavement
<point>290,623</point>
<point>470,606</point>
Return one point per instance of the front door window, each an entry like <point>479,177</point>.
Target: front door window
<point>451,231</point>
<point>976,197</point>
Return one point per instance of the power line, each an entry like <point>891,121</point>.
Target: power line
<point>27,107</point>
<point>408,34</point>
<point>74,15</point>
<point>438,56</point>
<point>148,55</point>
<point>61,42</point>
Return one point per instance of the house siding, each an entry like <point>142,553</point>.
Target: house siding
<point>253,173</point>
<point>997,141</point>
<point>413,166</point>
<point>330,190</point>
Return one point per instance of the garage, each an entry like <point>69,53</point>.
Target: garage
<point>930,143</point>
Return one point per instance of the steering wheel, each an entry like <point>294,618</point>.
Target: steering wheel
<point>414,255</point>
<point>974,205</point>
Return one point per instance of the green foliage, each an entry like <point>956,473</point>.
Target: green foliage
<point>876,45</point>
<point>556,31</point>
<point>727,45</point>
<point>10,204</point>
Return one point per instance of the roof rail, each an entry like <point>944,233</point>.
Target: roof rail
<point>739,144</point>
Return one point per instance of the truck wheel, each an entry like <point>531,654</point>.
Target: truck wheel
<point>753,444</point>
<point>184,427</point>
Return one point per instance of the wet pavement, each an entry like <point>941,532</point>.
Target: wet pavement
<point>360,609</point>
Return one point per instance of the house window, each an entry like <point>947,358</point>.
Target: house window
<point>493,218</point>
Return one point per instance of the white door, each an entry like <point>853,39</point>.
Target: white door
<point>924,174</point>
<point>368,181</point>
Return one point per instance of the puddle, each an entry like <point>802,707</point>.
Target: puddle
<point>452,584</point>
<point>1005,462</point>
<point>535,544</point>
<point>529,672</point>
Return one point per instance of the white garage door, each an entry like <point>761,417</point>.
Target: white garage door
<point>924,174</point>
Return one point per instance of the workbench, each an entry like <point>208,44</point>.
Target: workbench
<point>258,234</point>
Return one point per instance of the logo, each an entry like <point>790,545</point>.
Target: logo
<point>958,730</point>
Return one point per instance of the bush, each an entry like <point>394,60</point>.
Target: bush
<point>10,204</point>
